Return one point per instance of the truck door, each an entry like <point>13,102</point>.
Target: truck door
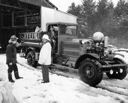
<point>66,44</point>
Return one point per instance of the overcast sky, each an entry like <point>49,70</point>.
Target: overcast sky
<point>64,4</point>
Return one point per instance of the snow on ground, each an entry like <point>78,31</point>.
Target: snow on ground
<point>61,89</point>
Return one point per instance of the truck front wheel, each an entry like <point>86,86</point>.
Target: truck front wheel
<point>90,73</point>
<point>31,58</point>
<point>111,74</point>
<point>119,73</point>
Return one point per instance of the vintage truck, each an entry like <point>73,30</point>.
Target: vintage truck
<point>89,57</point>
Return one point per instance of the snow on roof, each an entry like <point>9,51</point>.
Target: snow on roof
<point>45,3</point>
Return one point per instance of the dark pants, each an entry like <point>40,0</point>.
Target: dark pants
<point>45,73</point>
<point>12,68</point>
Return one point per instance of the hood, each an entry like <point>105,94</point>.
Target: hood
<point>81,40</point>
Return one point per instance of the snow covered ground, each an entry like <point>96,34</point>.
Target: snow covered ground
<point>62,89</point>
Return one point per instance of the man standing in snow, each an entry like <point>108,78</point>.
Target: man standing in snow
<point>45,57</point>
<point>11,58</point>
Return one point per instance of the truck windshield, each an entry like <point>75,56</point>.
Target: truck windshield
<point>68,30</point>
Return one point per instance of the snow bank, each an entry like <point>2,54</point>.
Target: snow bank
<point>6,95</point>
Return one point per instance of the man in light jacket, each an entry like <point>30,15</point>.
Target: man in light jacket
<point>45,57</point>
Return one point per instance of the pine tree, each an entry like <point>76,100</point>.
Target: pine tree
<point>74,10</point>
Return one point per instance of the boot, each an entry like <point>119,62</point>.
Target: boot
<point>44,81</point>
<point>10,78</point>
<point>17,75</point>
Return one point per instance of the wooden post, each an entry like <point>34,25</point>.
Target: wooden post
<point>0,26</point>
<point>0,18</point>
<point>0,22</point>
<point>12,18</point>
<point>25,17</point>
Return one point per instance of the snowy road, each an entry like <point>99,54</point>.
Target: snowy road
<point>63,89</point>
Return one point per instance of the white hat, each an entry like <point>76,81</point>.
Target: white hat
<point>98,36</point>
<point>46,37</point>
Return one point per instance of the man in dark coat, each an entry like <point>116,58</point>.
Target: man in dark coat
<point>11,58</point>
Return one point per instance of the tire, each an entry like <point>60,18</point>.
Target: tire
<point>111,75</point>
<point>118,74</point>
<point>90,73</point>
<point>123,74</point>
<point>31,59</point>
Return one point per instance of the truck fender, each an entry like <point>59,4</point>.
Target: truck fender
<point>83,57</point>
<point>121,57</point>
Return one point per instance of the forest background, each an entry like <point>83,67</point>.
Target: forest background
<point>105,17</point>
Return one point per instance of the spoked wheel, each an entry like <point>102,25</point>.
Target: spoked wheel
<point>90,73</point>
<point>120,73</point>
<point>31,59</point>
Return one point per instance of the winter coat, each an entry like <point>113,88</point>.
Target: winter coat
<point>45,54</point>
<point>11,53</point>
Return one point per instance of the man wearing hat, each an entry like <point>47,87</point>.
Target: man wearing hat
<point>45,57</point>
<point>11,58</point>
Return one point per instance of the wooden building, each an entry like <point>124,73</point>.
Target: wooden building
<point>19,16</point>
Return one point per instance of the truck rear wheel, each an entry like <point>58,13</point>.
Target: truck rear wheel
<point>120,73</point>
<point>31,59</point>
<point>90,73</point>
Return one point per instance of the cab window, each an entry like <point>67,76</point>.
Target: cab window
<point>68,30</point>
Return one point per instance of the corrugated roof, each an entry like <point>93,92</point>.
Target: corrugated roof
<point>39,3</point>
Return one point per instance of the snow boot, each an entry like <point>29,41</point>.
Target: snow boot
<point>10,78</point>
<point>17,75</point>
<point>44,81</point>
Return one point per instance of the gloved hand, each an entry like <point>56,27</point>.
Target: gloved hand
<point>14,61</point>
